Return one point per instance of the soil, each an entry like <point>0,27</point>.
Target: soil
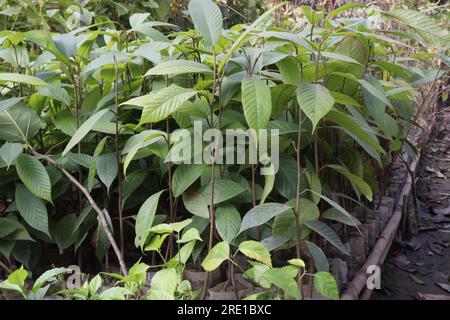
<point>418,266</point>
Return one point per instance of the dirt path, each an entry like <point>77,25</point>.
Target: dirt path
<point>420,266</point>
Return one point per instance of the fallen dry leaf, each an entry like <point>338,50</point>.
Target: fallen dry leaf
<point>444,286</point>
<point>426,296</point>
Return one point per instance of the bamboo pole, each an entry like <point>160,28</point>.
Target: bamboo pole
<point>383,244</point>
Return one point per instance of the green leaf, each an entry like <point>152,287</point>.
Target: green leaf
<point>34,176</point>
<point>83,130</point>
<point>143,139</point>
<point>178,226</point>
<point>343,8</point>
<point>315,101</point>
<point>255,250</point>
<point>334,205</point>
<point>364,138</point>
<point>196,204</point>
<point>49,275</point>
<point>281,95</point>
<point>261,214</point>
<point>107,168</point>
<point>312,16</point>
<point>339,57</point>
<point>292,37</point>
<point>190,235</point>
<point>290,72</point>
<point>336,215</point>
<point>7,103</point>
<point>10,151</point>
<point>55,92</point>
<point>326,285</point>
<point>95,284</point>
<point>176,67</point>
<point>269,181</point>
<point>284,278</point>
<point>218,254</point>
<point>115,293</point>
<point>11,229</point>
<point>144,218</point>
<point>297,262</point>
<point>256,102</point>
<point>328,233</point>
<point>18,123</point>
<point>22,78</point>
<point>207,18</point>
<point>65,233</point>
<point>165,102</point>
<point>32,209</point>
<point>165,280</point>
<point>223,190</point>
<point>93,167</point>
<point>360,183</point>
<point>320,260</point>
<point>237,43</point>
<point>424,25</point>
<point>184,176</point>
<point>228,221</point>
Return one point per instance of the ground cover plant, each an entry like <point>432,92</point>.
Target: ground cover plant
<point>95,116</point>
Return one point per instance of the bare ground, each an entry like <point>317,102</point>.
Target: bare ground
<point>419,266</point>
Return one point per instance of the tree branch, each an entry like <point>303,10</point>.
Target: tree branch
<point>93,204</point>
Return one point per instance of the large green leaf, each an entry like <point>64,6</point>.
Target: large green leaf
<point>144,219</point>
<point>320,260</point>
<point>11,229</point>
<point>49,275</point>
<point>34,176</point>
<point>196,204</point>
<point>22,78</point>
<point>360,184</point>
<point>315,101</point>
<point>18,123</point>
<point>176,67</point>
<point>223,190</point>
<point>424,25</point>
<point>281,95</point>
<point>83,130</point>
<point>256,102</point>
<point>107,168</point>
<point>228,221</point>
<point>261,214</point>
<point>218,254</point>
<point>337,215</point>
<point>184,176</point>
<point>32,209</point>
<point>326,285</point>
<point>7,103</point>
<point>165,102</point>
<point>9,152</point>
<point>284,278</point>
<point>364,138</point>
<point>255,250</point>
<point>207,19</point>
<point>328,233</point>
<point>66,233</point>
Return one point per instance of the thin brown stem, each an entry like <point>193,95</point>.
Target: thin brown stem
<point>213,171</point>
<point>119,175</point>
<point>93,204</point>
